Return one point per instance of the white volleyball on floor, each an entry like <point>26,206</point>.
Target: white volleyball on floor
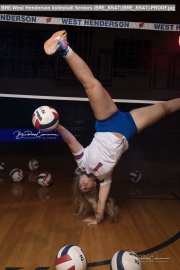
<point>71,257</point>
<point>2,166</point>
<point>78,171</point>
<point>44,179</point>
<point>135,176</point>
<point>45,118</point>
<point>33,165</point>
<point>125,260</point>
<point>16,175</point>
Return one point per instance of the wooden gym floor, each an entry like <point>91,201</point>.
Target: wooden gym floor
<point>37,221</point>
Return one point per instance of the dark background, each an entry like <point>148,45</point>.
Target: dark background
<point>131,64</point>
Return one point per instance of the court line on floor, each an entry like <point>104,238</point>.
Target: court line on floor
<point>172,193</point>
<point>158,185</point>
<point>142,253</point>
<point>165,199</point>
<point>175,195</point>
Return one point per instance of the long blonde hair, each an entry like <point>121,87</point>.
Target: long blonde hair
<point>85,203</point>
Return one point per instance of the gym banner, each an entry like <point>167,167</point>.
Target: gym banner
<point>89,22</point>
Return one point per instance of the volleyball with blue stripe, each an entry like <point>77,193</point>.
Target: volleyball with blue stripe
<point>33,165</point>
<point>16,175</point>
<point>45,179</point>
<point>135,176</point>
<point>125,260</point>
<point>71,257</point>
<point>45,118</point>
<point>78,172</point>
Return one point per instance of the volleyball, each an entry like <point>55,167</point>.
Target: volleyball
<point>78,171</point>
<point>2,166</point>
<point>33,165</point>
<point>71,257</point>
<point>125,260</point>
<point>135,176</point>
<point>44,179</point>
<point>45,118</point>
<point>16,175</point>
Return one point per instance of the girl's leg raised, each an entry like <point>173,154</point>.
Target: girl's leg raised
<point>147,116</point>
<point>101,102</point>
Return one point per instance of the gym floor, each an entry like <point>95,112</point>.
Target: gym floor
<point>36,222</point>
